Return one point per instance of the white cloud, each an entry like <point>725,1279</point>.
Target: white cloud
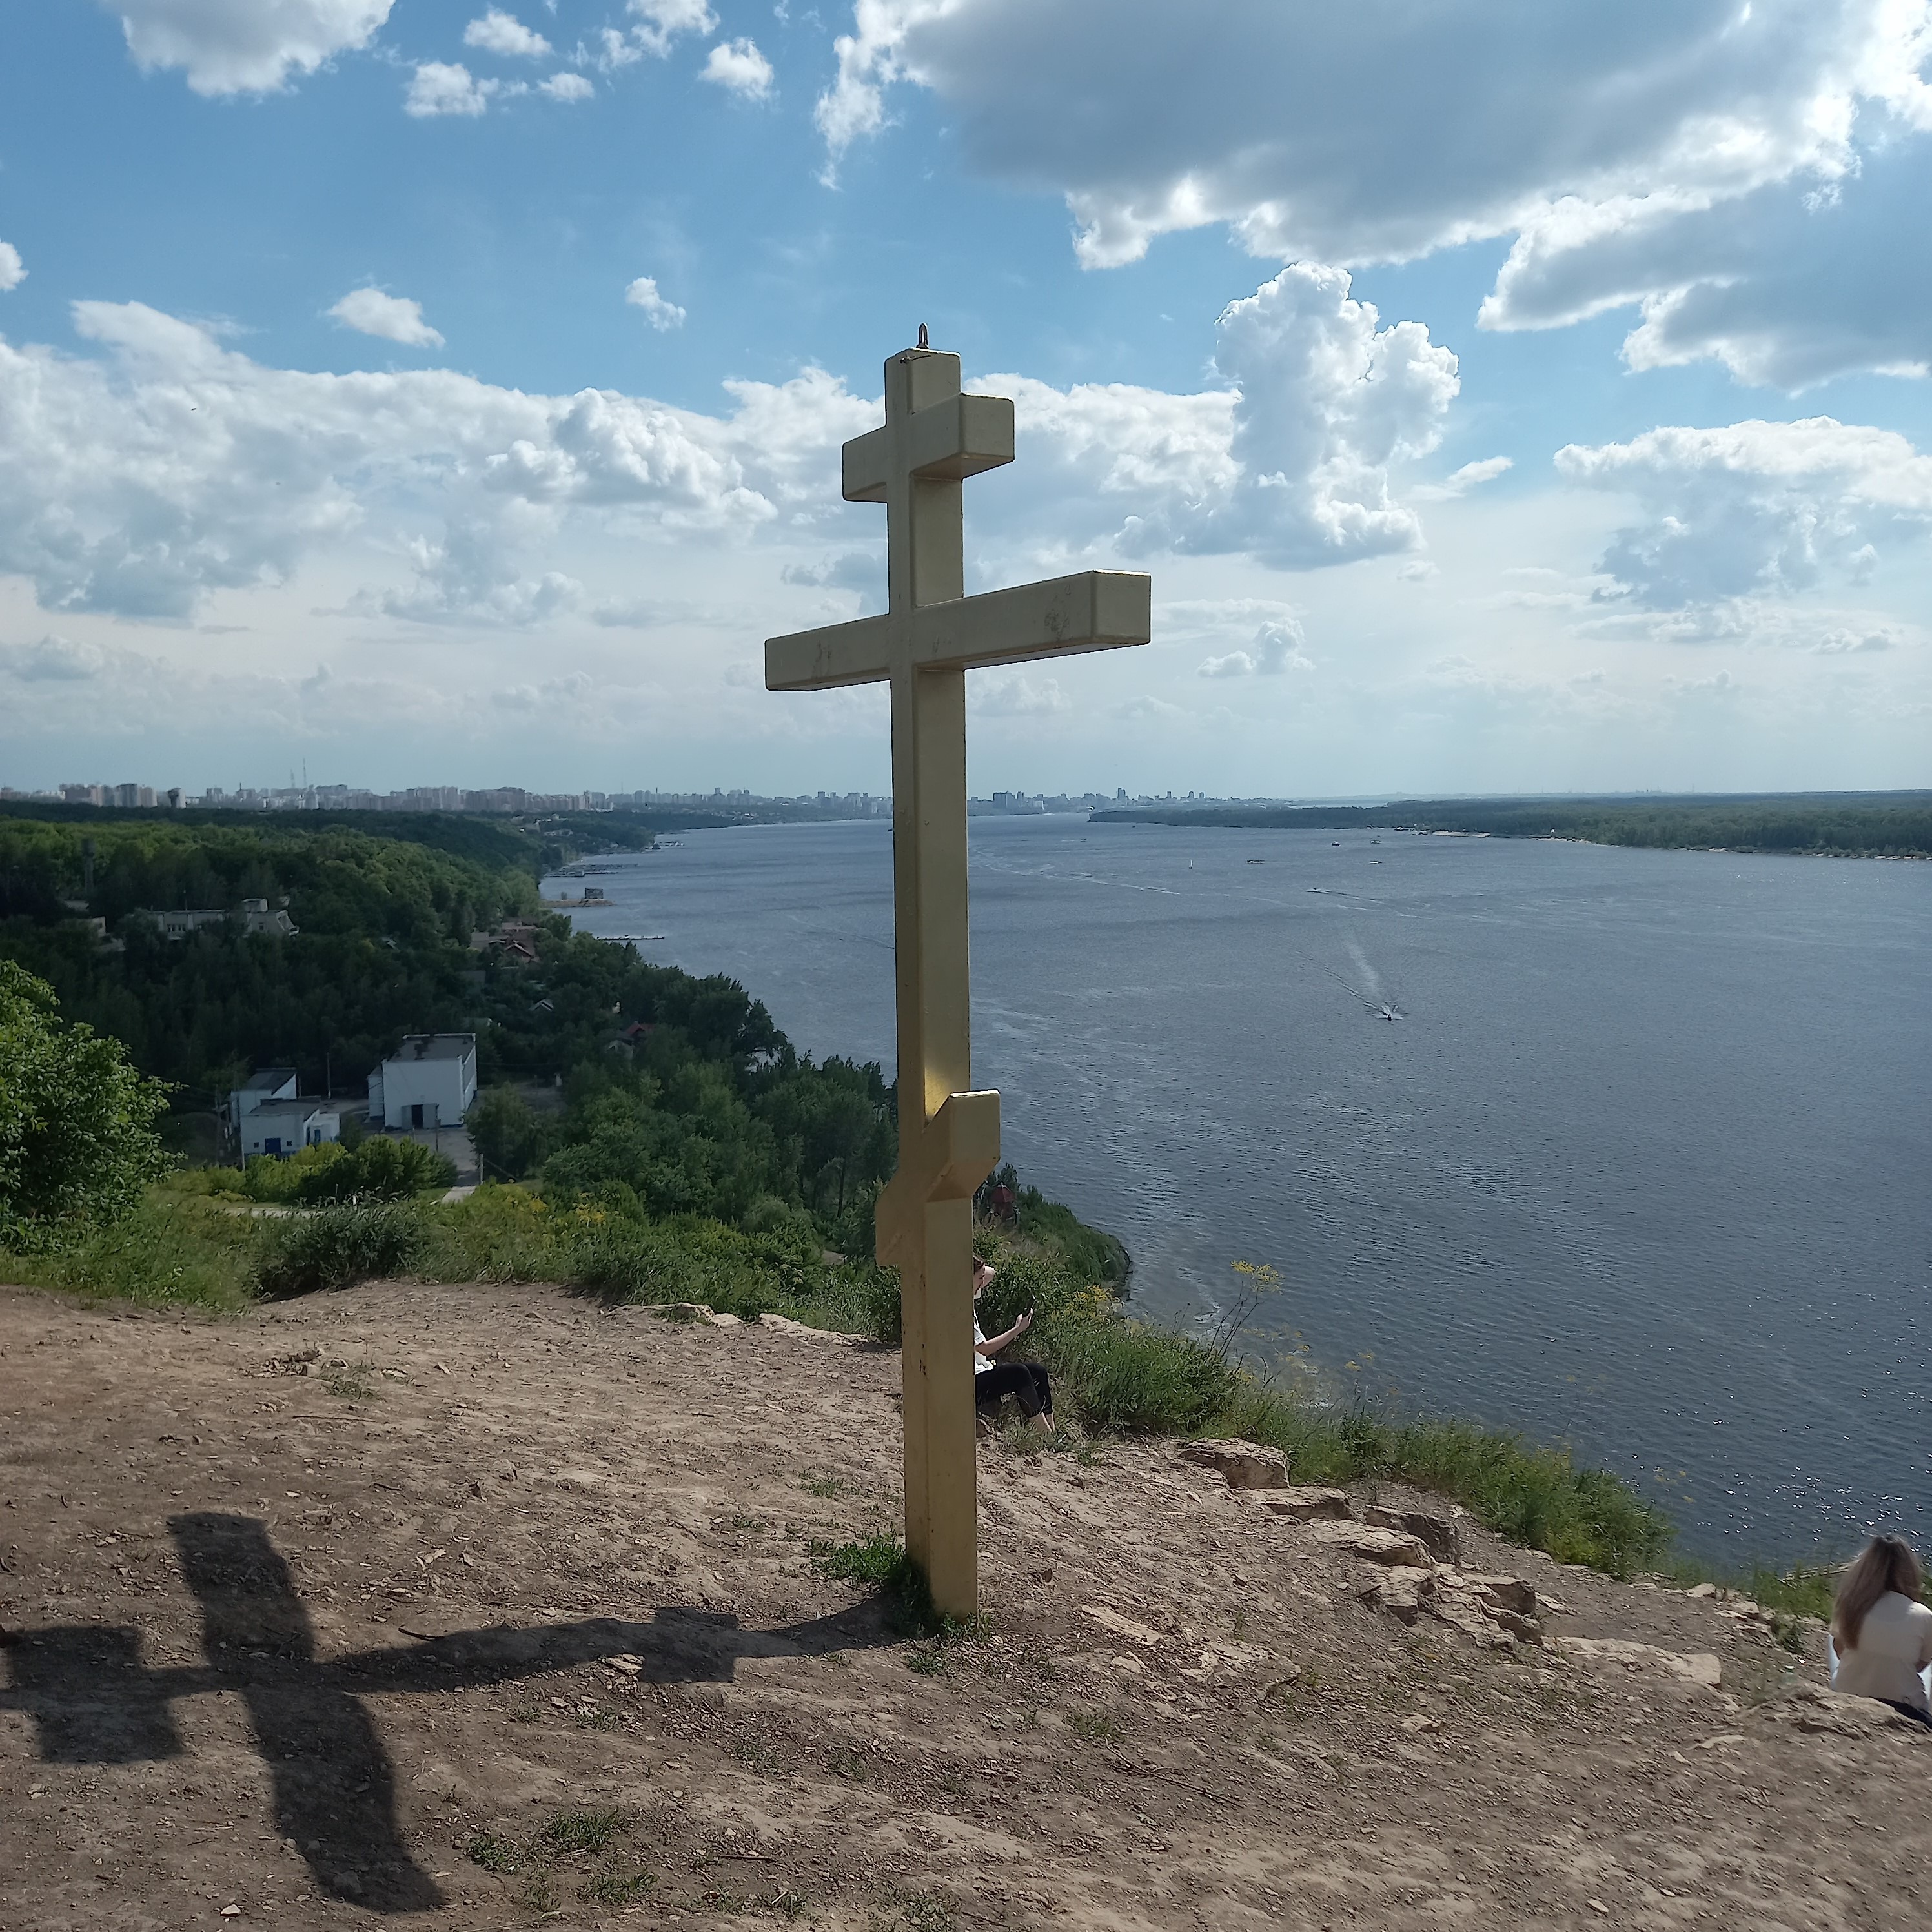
<point>738,65</point>
<point>395,318</point>
<point>444,87</point>
<point>862,571</point>
<point>12,270</point>
<point>1460,482</point>
<point>1617,144</point>
<point>1014,695</point>
<point>1756,508</point>
<point>245,46</point>
<point>53,660</point>
<point>1291,463</point>
<point>661,22</point>
<point>1788,286</point>
<point>1277,648</point>
<point>497,32</point>
<point>643,294</point>
<point>138,481</point>
<point>567,86</point>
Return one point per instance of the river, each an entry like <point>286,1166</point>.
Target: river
<point>1646,1162</point>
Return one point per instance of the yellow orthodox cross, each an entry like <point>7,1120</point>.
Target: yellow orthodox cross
<point>932,633</point>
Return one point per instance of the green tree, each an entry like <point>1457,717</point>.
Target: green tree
<point>78,1141</point>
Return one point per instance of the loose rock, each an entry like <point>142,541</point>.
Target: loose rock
<point>1374,1545</point>
<point>1306,1503</point>
<point>1436,1533</point>
<point>1246,1465</point>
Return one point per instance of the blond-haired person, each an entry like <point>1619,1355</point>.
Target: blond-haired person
<point>1881,1632</point>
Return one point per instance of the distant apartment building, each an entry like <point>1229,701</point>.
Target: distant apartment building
<point>429,1080</point>
<point>254,915</point>
<point>265,1115</point>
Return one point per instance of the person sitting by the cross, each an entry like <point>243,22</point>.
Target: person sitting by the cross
<point>993,1382</point>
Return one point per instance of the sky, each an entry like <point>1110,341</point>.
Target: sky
<point>1504,395</point>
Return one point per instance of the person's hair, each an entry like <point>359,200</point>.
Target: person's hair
<point>1887,1563</point>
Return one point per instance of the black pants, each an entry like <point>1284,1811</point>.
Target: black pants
<point>1911,1711</point>
<point>1026,1381</point>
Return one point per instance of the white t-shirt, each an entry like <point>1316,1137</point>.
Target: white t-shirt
<point>981,1363</point>
<point>1894,1645</point>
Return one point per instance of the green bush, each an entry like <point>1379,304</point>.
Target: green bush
<point>79,1142</point>
<point>335,1245</point>
<point>370,1168</point>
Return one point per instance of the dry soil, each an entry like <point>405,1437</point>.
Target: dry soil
<point>479,1607</point>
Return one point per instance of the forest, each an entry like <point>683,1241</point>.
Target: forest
<point>1863,825</point>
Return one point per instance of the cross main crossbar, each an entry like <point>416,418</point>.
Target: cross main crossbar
<point>1061,617</point>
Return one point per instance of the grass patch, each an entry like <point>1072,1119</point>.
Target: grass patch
<point>619,1888</point>
<point>161,1256</point>
<point>577,1833</point>
<point>1096,1727</point>
<point>587,1830</point>
<point>881,1563</point>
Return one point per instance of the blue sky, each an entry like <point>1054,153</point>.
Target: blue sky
<point>1502,396</point>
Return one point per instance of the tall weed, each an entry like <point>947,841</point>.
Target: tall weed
<point>336,1246</point>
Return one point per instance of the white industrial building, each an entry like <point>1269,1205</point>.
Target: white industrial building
<point>286,1126</point>
<point>429,1080</point>
<point>266,1115</point>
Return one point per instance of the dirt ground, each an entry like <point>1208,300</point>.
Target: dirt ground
<point>479,1607</point>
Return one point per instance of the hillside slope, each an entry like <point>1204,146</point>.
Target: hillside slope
<point>469,1605</point>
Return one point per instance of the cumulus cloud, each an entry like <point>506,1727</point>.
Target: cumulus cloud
<point>567,86</point>
<point>1788,286</point>
<point>860,571</point>
<point>446,87</point>
<point>12,270</point>
<point>1611,142</point>
<point>1755,509</point>
<point>245,46</point>
<point>1014,695</point>
<point>1277,648</point>
<point>164,465</point>
<point>395,318</point>
<point>497,32</point>
<point>658,23</point>
<point>643,294</point>
<point>1292,460</point>
<point>739,66</point>
<point>53,660</point>
<point>168,465</point>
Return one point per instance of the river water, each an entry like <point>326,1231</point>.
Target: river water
<point>1646,1162</point>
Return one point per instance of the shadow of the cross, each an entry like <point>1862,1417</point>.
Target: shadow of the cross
<point>93,1701</point>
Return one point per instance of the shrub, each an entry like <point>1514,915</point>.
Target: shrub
<point>78,1139</point>
<point>348,1242</point>
<point>376,1168</point>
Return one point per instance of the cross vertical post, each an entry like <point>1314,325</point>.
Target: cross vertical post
<point>932,633</point>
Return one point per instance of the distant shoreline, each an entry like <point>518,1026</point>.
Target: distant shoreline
<point>1870,825</point>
